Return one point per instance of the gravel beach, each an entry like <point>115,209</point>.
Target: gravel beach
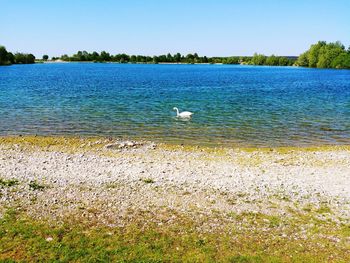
<point>107,179</point>
<point>141,201</point>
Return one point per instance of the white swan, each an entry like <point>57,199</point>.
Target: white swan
<point>184,114</point>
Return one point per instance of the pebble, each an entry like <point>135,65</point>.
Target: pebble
<point>112,185</point>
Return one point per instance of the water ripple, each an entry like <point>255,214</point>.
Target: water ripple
<point>233,105</point>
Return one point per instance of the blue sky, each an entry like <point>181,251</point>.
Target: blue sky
<point>153,27</point>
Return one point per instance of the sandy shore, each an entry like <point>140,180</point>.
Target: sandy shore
<point>113,178</point>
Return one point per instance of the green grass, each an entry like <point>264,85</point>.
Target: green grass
<point>324,210</point>
<point>36,186</point>
<point>148,180</point>
<point>25,239</point>
<point>8,183</point>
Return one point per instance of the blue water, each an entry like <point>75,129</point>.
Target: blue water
<point>232,105</point>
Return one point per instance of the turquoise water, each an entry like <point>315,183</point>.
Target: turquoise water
<point>232,105</point>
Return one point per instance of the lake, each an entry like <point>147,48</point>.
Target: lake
<point>232,105</point>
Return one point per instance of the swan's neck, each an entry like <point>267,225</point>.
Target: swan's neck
<point>177,111</point>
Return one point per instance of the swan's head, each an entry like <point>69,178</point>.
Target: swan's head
<point>174,108</point>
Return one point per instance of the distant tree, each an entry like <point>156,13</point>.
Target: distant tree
<point>30,58</point>
<point>105,56</point>
<point>65,57</point>
<point>283,61</point>
<point>45,57</point>
<point>328,53</point>
<point>177,57</point>
<point>169,58</point>
<point>272,61</point>
<point>21,58</point>
<point>141,59</point>
<point>189,59</point>
<point>190,56</point>
<point>94,56</point>
<point>341,61</point>
<point>205,59</point>
<point>325,55</point>
<point>314,52</point>
<point>133,59</point>
<point>124,58</point>
<point>231,60</point>
<point>162,58</point>
<point>4,59</point>
<point>10,58</point>
<point>258,59</point>
<point>244,60</point>
<point>303,60</point>
<point>196,58</point>
<point>155,60</point>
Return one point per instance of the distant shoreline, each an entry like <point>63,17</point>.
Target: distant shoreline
<point>141,63</point>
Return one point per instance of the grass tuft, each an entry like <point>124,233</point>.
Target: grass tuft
<point>36,186</point>
<point>8,183</point>
<point>148,180</point>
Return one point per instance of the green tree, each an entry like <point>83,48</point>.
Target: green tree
<point>303,60</point>
<point>189,58</point>
<point>45,57</point>
<point>169,58</point>
<point>272,60</point>
<point>231,60</point>
<point>177,58</point>
<point>283,61</point>
<point>258,59</point>
<point>155,60</point>
<point>94,56</point>
<point>65,57</point>
<point>21,58</point>
<point>341,61</point>
<point>313,53</point>
<point>10,58</point>
<point>133,59</point>
<point>328,53</point>
<point>105,56</point>
<point>325,55</point>
<point>4,60</point>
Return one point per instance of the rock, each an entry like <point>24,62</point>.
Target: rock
<point>121,145</point>
<point>111,146</point>
<point>130,144</point>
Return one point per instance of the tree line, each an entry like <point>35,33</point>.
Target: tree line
<point>8,58</point>
<point>325,55</point>
<point>104,56</point>
<point>319,55</point>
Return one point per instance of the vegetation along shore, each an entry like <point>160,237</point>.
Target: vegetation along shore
<point>319,55</point>
<point>102,199</point>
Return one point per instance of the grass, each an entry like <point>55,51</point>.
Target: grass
<point>148,180</point>
<point>8,183</point>
<point>143,240</point>
<point>36,186</point>
<point>324,209</point>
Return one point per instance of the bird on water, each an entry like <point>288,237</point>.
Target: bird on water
<point>184,114</point>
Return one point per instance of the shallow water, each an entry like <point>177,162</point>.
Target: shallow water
<point>232,105</point>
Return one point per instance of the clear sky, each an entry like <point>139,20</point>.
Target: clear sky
<point>154,27</point>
